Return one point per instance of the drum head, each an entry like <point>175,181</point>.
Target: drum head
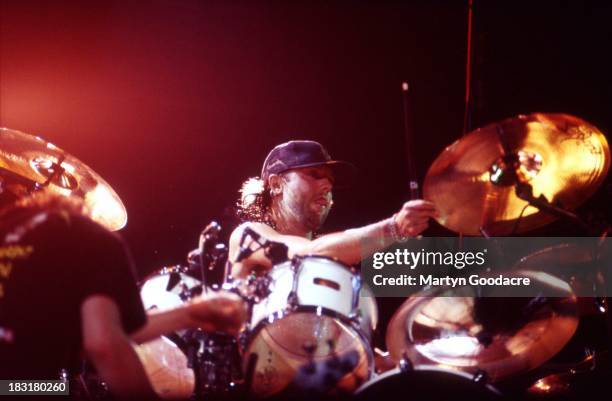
<point>166,366</point>
<point>306,352</point>
<point>426,384</point>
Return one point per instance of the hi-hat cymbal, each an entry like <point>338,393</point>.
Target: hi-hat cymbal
<point>562,157</point>
<point>501,336</point>
<point>50,168</point>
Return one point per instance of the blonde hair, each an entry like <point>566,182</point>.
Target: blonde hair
<point>254,202</point>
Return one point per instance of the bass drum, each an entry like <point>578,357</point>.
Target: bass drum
<point>164,362</point>
<point>427,383</point>
<point>311,333</point>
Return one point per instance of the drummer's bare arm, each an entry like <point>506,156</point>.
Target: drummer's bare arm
<point>110,349</point>
<point>219,311</point>
<point>349,246</point>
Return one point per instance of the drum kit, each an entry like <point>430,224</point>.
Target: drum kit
<point>309,332</point>
<point>311,321</point>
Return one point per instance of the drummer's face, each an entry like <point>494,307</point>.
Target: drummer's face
<point>307,194</point>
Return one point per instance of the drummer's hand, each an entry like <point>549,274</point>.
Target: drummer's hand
<point>413,217</point>
<point>218,311</point>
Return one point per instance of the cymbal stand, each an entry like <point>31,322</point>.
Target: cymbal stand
<point>525,192</point>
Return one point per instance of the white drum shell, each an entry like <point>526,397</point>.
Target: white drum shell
<point>321,282</point>
<point>154,293</point>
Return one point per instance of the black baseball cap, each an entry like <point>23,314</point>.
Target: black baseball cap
<point>298,154</point>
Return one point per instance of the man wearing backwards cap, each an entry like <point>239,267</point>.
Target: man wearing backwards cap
<point>292,200</point>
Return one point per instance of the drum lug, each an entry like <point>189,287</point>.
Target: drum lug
<point>355,319</point>
<point>480,377</point>
<point>292,300</point>
<point>405,364</point>
<point>262,287</point>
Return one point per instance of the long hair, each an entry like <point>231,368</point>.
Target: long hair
<point>15,212</point>
<point>255,202</point>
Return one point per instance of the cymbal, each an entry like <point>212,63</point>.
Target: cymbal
<point>571,377</point>
<point>50,168</point>
<point>501,336</point>
<point>562,157</point>
<point>578,265</point>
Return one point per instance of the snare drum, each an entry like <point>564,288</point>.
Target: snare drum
<point>309,333</point>
<point>164,362</point>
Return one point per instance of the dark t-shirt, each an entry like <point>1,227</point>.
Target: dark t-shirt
<point>49,264</point>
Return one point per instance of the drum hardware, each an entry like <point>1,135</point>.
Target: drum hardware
<point>524,191</point>
<point>253,289</point>
<point>208,260</point>
<point>262,287</point>
<point>602,305</point>
<point>292,299</point>
<point>212,256</point>
<point>38,165</point>
<point>404,364</point>
<point>357,286</point>
<point>54,172</point>
<point>216,361</point>
<point>276,252</point>
<point>480,377</point>
<point>356,319</point>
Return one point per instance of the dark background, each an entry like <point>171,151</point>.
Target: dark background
<point>175,103</point>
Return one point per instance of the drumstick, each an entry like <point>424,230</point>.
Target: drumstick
<point>408,134</point>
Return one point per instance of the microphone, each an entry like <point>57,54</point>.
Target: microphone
<point>211,231</point>
<point>206,242</point>
<point>246,251</point>
<point>277,252</point>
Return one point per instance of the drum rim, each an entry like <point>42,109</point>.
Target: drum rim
<point>328,258</point>
<point>164,271</point>
<point>425,368</point>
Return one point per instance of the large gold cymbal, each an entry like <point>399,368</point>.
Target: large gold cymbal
<point>32,158</point>
<point>562,157</point>
<point>501,336</point>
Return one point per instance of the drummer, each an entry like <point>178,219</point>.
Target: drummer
<point>291,200</point>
